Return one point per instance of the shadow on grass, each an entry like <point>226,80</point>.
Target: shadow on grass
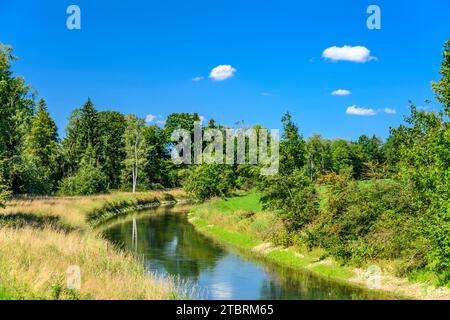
<point>21,220</point>
<point>169,197</point>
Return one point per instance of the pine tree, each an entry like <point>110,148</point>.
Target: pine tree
<point>16,109</point>
<point>41,152</point>
<point>42,141</point>
<point>82,141</point>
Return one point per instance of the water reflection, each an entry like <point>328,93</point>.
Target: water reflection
<point>170,245</point>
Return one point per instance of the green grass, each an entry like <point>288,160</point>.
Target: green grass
<point>332,271</point>
<point>244,202</point>
<point>4,294</point>
<point>232,238</point>
<point>289,258</point>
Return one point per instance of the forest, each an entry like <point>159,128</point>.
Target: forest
<point>364,200</point>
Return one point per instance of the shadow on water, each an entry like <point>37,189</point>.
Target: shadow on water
<point>170,246</point>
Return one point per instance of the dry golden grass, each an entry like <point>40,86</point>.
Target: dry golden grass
<point>34,258</point>
<point>73,210</point>
<point>33,265</point>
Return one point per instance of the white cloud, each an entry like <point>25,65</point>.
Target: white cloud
<point>161,122</point>
<point>197,79</point>
<point>389,111</point>
<point>202,119</point>
<point>266,94</point>
<point>151,117</point>
<point>348,53</point>
<point>360,111</point>
<point>222,72</point>
<point>341,92</point>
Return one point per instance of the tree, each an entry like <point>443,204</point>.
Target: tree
<point>424,161</point>
<point>372,148</point>
<point>17,107</point>
<point>442,87</point>
<point>82,139</point>
<point>41,153</point>
<point>135,150</point>
<point>159,164</point>
<point>292,146</point>
<point>111,151</point>
<point>180,121</point>
<point>341,153</point>
<point>209,180</point>
<point>318,156</point>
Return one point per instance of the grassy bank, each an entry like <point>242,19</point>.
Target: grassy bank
<point>41,237</point>
<point>240,222</point>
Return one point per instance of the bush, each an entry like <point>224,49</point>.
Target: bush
<point>88,180</point>
<point>4,193</point>
<point>293,196</point>
<point>367,220</point>
<point>206,181</point>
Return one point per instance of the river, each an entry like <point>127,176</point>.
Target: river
<point>169,246</point>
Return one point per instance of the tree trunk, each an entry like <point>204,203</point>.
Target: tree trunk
<point>135,166</point>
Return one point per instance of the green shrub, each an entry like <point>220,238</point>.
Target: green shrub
<point>88,180</point>
<point>293,196</point>
<point>367,220</point>
<point>206,181</point>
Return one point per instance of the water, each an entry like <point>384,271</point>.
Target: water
<point>170,246</point>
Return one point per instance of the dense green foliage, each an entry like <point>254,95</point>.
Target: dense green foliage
<point>41,154</point>
<point>87,180</point>
<point>207,181</point>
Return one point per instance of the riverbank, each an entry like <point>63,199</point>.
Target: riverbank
<point>40,238</point>
<point>241,223</point>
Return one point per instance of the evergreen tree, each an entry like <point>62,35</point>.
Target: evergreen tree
<point>111,147</point>
<point>41,153</point>
<point>16,111</point>
<point>82,140</point>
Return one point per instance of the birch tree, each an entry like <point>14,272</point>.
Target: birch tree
<point>135,149</point>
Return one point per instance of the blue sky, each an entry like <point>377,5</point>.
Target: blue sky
<point>141,57</point>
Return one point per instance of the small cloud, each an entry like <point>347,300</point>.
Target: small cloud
<point>202,119</point>
<point>360,111</point>
<point>266,94</point>
<point>161,122</point>
<point>197,79</point>
<point>341,92</point>
<point>222,72</point>
<point>389,111</point>
<point>358,54</point>
<point>151,117</point>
